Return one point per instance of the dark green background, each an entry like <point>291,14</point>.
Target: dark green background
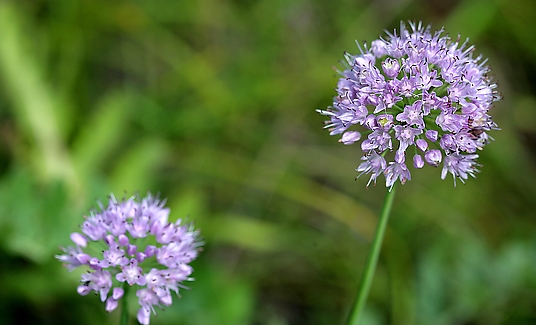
<point>212,104</point>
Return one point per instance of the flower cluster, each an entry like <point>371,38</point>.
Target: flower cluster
<point>424,90</point>
<point>136,246</point>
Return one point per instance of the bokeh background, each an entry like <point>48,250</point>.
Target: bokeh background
<point>212,104</point>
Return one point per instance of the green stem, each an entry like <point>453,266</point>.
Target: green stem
<point>124,305</point>
<point>370,267</point>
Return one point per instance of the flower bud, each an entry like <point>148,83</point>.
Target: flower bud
<point>418,162</point>
<point>433,157</point>
<point>421,144</point>
<point>431,135</point>
<point>350,137</point>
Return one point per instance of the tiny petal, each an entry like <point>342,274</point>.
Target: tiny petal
<point>432,135</point>
<point>143,316</point>
<point>122,240</point>
<point>109,240</point>
<point>79,239</point>
<point>421,144</point>
<point>140,256</point>
<point>111,304</point>
<point>448,142</point>
<point>378,48</point>
<point>117,293</point>
<point>391,67</point>
<point>433,157</point>
<point>400,156</point>
<point>165,298</point>
<point>83,290</point>
<point>418,162</point>
<point>150,250</point>
<point>350,137</point>
<point>370,122</point>
<point>94,263</point>
<point>132,249</point>
<point>83,258</point>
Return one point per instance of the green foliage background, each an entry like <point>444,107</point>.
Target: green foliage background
<point>212,104</point>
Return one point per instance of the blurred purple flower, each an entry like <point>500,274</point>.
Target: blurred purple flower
<point>127,260</point>
<point>415,87</point>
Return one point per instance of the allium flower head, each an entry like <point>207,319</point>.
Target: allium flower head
<point>137,248</point>
<point>414,90</point>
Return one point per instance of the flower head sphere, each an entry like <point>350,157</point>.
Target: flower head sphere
<point>137,248</point>
<point>416,91</point>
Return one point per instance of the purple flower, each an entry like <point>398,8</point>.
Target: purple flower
<point>459,166</point>
<point>414,87</point>
<point>373,164</point>
<point>406,135</point>
<point>122,228</point>
<point>396,171</point>
<point>412,115</point>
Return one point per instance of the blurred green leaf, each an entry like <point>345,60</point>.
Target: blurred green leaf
<point>471,18</point>
<point>34,100</point>
<point>33,218</point>
<point>137,165</point>
<point>101,134</point>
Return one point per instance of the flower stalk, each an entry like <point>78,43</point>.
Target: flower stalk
<point>372,260</point>
<point>124,306</point>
